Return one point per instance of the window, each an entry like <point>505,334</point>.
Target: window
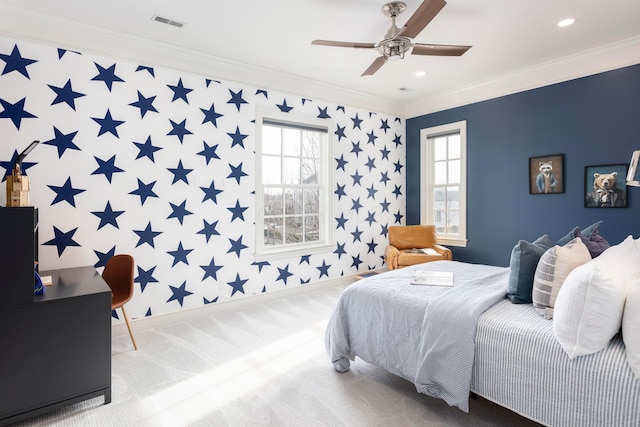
<point>293,182</point>
<point>443,175</point>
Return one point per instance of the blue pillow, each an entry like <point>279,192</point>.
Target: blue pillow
<point>587,232</point>
<point>523,263</point>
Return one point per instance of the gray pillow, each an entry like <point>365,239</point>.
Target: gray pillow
<point>523,263</point>
<point>595,243</point>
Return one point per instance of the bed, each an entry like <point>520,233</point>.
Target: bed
<point>450,341</point>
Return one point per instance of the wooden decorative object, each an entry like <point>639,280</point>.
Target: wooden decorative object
<point>17,189</point>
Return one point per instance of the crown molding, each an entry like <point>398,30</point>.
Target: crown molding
<point>605,58</point>
<point>30,24</point>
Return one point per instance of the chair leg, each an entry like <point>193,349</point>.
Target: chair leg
<point>126,319</point>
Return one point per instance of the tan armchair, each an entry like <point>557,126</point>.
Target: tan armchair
<point>404,239</point>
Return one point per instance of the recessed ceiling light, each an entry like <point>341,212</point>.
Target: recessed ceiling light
<point>566,22</point>
<point>421,73</point>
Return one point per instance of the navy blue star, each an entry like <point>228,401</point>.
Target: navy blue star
<point>180,293</point>
<point>372,138</point>
<point>372,192</point>
<point>106,167</point>
<point>211,193</point>
<point>372,246</point>
<point>236,172</point>
<point>237,246</point>
<point>108,124</point>
<point>237,137</point>
<point>144,191</point>
<point>324,269</point>
<point>340,108</point>
<point>284,107</point>
<point>211,270</point>
<point>104,257</point>
<point>384,229</point>
<point>62,142</point>
<point>208,82</point>
<point>385,205</point>
<point>62,240</point>
<point>146,149</point>
<point>398,219</point>
<point>209,229</point>
<point>107,75</point>
<point>384,125</point>
<point>340,132</point>
<point>341,221</point>
<point>283,274</point>
<point>322,113</point>
<point>62,52</point>
<point>206,301</point>
<point>15,62</point>
<point>179,91</point>
<point>397,191</point>
<point>180,173</point>
<point>340,250</point>
<point>15,112</point>
<point>210,115</point>
<point>340,191</point>
<point>356,261</point>
<point>385,153</point>
<point>237,285</point>
<point>356,121</point>
<point>371,163</point>
<point>147,235</point>
<point>304,282</point>
<point>8,166</point>
<point>144,104</point>
<point>396,140</point>
<point>179,211</point>
<point>236,98</point>
<point>179,129</point>
<point>384,178</point>
<point>65,193</point>
<point>356,178</point>
<point>262,92</point>
<point>237,211</point>
<point>180,255</point>
<point>398,166</point>
<point>65,94</point>
<point>260,264</point>
<point>341,162</point>
<point>208,152</point>
<point>356,235</point>
<point>370,218</point>
<point>145,277</point>
<point>356,148</point>
<point>356,205</point>
<point>305,258</point>
<point>108,216</point>
<point>148,69</point>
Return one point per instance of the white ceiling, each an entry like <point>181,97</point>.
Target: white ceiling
<point>269,42</point>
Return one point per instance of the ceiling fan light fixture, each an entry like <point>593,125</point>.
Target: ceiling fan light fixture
<point>566,22</point>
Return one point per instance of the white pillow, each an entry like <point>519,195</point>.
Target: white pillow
<point>631,328</point>
<point>553,268</point>
<point>590,303</point>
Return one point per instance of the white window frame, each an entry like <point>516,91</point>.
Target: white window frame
<point>427,179</point>
<point>326,240</point>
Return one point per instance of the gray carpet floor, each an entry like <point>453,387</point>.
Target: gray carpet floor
<point>260,365</point>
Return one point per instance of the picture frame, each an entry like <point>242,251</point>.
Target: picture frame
<point>605,186</point>
<point>546,174</point>
<point>633,176</point>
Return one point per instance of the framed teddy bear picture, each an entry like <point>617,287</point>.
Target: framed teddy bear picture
<point>546,174</point>
<point>605,186</point>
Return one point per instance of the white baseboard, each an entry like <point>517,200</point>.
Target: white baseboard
<point>207,310</point>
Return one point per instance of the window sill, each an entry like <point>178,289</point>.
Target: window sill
<point>298,251</point>
<point>452,241</point>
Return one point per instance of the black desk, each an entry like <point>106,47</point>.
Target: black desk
<point>57,350</point>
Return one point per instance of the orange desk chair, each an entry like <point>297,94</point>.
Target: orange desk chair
<point>119,273</point>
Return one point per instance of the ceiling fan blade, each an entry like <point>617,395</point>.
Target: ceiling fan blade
<point>439,49</point>
<point>344,44</point>
<point>421,17</point>
<point>375,66</point>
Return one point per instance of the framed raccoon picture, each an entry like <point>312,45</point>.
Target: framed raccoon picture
<point>546,174</point>
<point>605,186</point>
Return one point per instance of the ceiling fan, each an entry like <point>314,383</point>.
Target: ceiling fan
<point>397,41</point>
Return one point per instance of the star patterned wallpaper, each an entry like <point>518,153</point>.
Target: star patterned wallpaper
<point>159,164</point>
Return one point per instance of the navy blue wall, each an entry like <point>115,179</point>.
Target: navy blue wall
<point>592,121</point>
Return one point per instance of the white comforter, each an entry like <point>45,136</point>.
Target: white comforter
<point>424,334</point>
